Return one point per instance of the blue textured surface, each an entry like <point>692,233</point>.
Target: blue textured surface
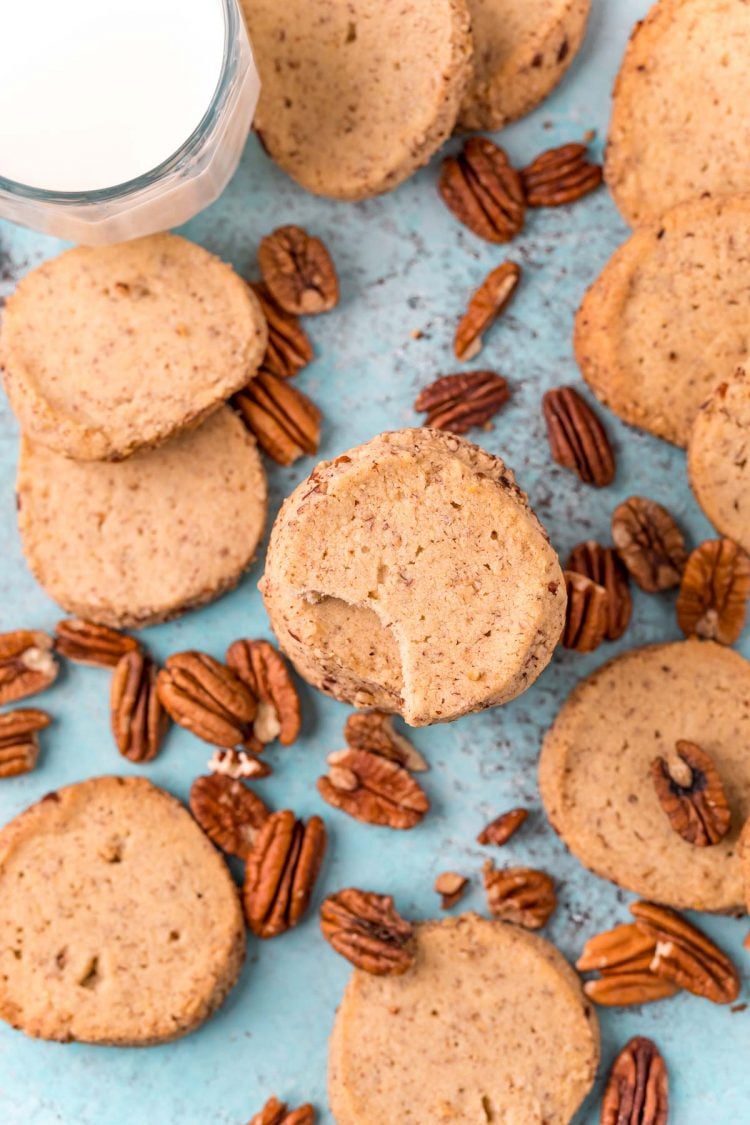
<point>405,265</point>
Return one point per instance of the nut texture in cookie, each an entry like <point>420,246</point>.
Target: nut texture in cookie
<point>109,349</point>
<point>594,769</point>
<point>138,541</point>
<point>119,922</point>
<point>490,1024</point>
<point>719,458</point>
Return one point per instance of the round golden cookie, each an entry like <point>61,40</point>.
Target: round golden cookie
<point>745,861</point>
<point>411,574</point>
<point>594,770</point>
<point>119,921</point>
<point>678,127</point>
<point>490,1024</point>
<point>667,317</point>
<point>521,51</point>
<point>719,458</point>
<point>139,541</point>
<point>355,97</point>
<point>109,349</point>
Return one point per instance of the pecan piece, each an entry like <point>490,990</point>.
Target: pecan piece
<point>483,190</point>
<point>685,955</point>
<point>519,894</point>
<point>623,956</point>
<point>485,306</point>
<point>603,566</point>
<point>373,789</point>
<point>27,664</point>
<point>89,643</point>
<point>266,674</point>
<point>298,271</point>
<point>374,731</point>
<point>139,721</point>
<point>450,886</point>
<point>622,990</point>
<point>208,699</point>
<point>458,402</point>
<point>715,586</point>
<point>228,812</point>
<point>692,795</point>
<point>281,872</point>
<point>637,1090</point>
<point>649,542</point>
<point>289,348</point>
<point>500,830</point>
<point>238,764</point>
<point>560,175</point>
<point>285,422</point>
<point>19,741</point>
<point>586,613</point>
<point>577,439</point>
<point>275,1112</point>
<point>367,929</point>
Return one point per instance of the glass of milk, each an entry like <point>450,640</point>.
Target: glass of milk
<point>119,118</point>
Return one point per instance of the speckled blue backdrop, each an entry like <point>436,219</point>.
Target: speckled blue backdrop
<point>406,268</point>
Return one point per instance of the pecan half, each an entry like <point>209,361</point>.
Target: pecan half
<point>374,731</point>
<point>626,989</point>
<point>298,271</point>
<point>603,566</point>
<point>459,402</point>
<point>560,175</point>
<point>367,929</point>
<point>715,587</point>
<point>139,721</point>
<point>238,764</point>
<point>586,613</point>
<point>649,542</point>
<point>623,956</point>
<point>19,741</point>
<point>208,699</point>
<point>685,955</point>
<point>281,871</point>
<point>285,422</point>
<point>637,1090</point>
<point>228,812</point>
<point>88,643</point>
<point>485,306</point>
<point>275,1112</point>
<point>289,348</point>
<point>500,830</point>
<point>483,190</point>
<point>27,664</point>
<point>450,886</point>
<point>519,894</point>
<point>373,789</point>
<point>577,439</point>
<point>266,674</point>
<point>692,795</point>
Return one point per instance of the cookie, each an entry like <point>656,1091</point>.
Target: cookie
<point>490,1024</point>
<point>411,574</point>
<point>719,458</point>
<point>521,51</point>
<point>675,131</point>
<point>355,97</point>
<point>665,321</point>
<point>594,770</point>
<point>138,541</point>
<point>119,921</point>
<point>745,861</point>
<point>109,349</point>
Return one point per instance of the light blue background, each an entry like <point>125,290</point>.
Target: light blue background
<point>405,265</point>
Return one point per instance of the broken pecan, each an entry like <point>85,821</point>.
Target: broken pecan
<point>27,664</point>
<point>88,643</point>
<point>265,673</point>
<point>692,795</point>
<point>139,721</point>
<point>367,929</point>
<point>228,812</point>
<point>485,306</point>
<point>373,789</point>
<point>288,349</point>
<point>637,1090</point>
<point>623,956</point>
<point>285,422</point>
<point>483,190</point>
<point>519,894</point>
<point>603,566</point>
<point>275,1112</point>
<point>19,741</point>
<point>500,830</point>
<point>374,731</point>
<point>281,872</point>
<point>458,402</point>
<point>626,989</point>
<point>586,613</point>
<point>685,955</point>
<point>238,764</point>
<point>298,271</point>
<point>450,886</point>
<point>208,699</point>
<point>560,175</point>
<point>649,542</point>
<point>577,439</point>
<point>715,586</point>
